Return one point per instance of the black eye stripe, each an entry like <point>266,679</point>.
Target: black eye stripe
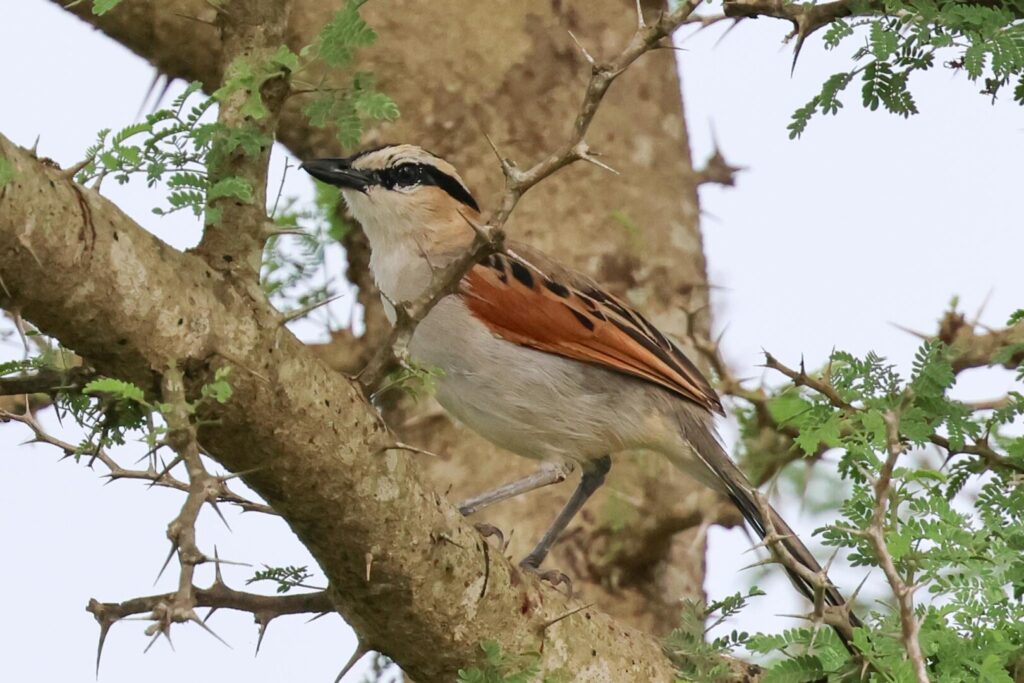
<point>406,175</point>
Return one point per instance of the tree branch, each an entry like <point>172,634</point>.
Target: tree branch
<point>218,490</point>
<point>250,33</point>
<point>264,608</point>
<point>46,381</point>
<point>807,17</point>
<point>876,535</point>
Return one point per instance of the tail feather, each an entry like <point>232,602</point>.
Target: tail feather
<point>752,513</point>
<point>722,474</point>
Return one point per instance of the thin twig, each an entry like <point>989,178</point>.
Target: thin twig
<point>115,471</point>
<point>903,591</point>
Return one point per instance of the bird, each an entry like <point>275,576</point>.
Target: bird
<point>535,357</point>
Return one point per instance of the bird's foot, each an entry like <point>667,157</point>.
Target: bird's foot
<point>552,576</point>
<point>487,530</point>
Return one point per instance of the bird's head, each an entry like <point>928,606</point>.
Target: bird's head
<point>395,186</point>
<point>413,206</point>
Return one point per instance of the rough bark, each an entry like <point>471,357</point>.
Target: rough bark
<point>459,69</point>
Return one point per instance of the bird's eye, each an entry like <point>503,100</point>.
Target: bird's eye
<point>406,174</point>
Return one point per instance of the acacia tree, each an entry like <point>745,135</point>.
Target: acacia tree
<point>222,374</point>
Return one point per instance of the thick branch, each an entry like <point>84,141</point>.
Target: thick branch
<point>302,435</point>
<point>264,608</point>
<point>220,596</point>
<point>250,32</point>
<point>806,17</point>
<point>46,381</point>
<point>972,349</point>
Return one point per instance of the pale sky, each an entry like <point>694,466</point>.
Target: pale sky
<point>824,243</point>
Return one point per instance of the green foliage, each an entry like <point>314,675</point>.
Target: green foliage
<point>956,532</point>
<point>103,6</point>
<point>172,145</point>
<point>342,35</point>
<point>109,409</point>
<point>696,657</point>
<point>827,101</point>
<point>415,380</point>
<point>236,188</point>
<point>502,668</point>
<point>180,145</point>
<point>219,390</point>
<point>116,389</point>
<point>344,109</point>
<point>247,77</point>
<point>16,367</point>
<point>984,41</point>
<point>7,172</point>
<point>286,578</point>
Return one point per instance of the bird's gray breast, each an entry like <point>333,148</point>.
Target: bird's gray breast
<point>533,403</point>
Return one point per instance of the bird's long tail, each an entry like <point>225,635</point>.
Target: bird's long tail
<point>709,462</point>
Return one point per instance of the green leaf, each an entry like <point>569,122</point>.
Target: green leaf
<point>786,408</point>
<point>800,669</point>
<point>253,106</point>
<point>349,129</point>
<point>319,110</point>
<point>343,34</point>
<point>826,433</point>
<point>899,545</point>
<point>492,651</point>
<point>836,33</point>
<point>219,390</point>
<point>117,388</point>
<point>933,374</point>
<point>993,670</point>
<point>100,7</point>
<point>376,105</point>
<point>285,58</point>
<point>883,42</point>
<point>233,187</point>
<point>915,425</point>
<point>974,61</point>
<point>1007,353</point>
<point>13,366</point>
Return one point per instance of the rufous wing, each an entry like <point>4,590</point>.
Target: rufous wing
<point>523,302</point>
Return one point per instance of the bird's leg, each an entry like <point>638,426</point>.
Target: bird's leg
<point>593,476</point>
<point>547,474</point>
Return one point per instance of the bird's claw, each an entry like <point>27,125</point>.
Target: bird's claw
<point>552,576</point>
<point>487,530</point>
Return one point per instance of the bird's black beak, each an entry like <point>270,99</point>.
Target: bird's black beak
<point>339,172</point>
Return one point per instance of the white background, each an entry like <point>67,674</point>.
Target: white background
<point>825,242</point>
